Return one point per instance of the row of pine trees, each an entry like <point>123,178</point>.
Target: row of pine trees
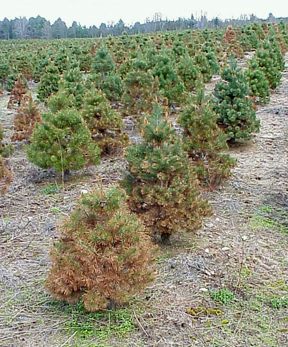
<point>106,251</point>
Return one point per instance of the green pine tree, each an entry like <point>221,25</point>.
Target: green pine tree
<point>267,63</point>
<point>140,88</point>
<point>104,123</point>
<point>258,82</point>
<point>62,141</point>
<point>103,62</point>
<point>49,82</point>
<point>160,182</point>
<point>203,140</point>
<point>234,109</point>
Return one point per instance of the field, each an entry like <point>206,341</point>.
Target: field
<point>225,284</point>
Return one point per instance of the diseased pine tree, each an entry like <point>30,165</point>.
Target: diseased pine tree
<point>160,182</point>
<point>103,255</point>
<point>104,123</point>
<point>25,120</point>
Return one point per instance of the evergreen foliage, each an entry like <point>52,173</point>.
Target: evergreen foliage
<point>104,123</point>
<point>234,109</point>
<point>63,141</point>
<point>60,100</point>
<point>169,82</point>
<point>73,85</point>
<point>203,65</point>
<point>258,82</point>
<point>103,256</point>
<point>203,140</point>
<point>103,62</point>
<point>140,88</point>
<point>265,62</point>
<point>188,71</point>
<point>49,82</point>
<point>161,184</point>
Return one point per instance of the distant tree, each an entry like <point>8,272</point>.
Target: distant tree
<point>59,29</point>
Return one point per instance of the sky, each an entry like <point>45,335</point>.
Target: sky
<point>89,12</point>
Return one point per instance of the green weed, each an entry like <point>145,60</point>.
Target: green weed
<point>52,188</point>
<point>223,296</point>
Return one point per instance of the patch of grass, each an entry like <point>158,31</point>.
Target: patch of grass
<point>6,219</point>
<point>268,217</point>
<point>51,188</point>
<point>279,302</point>
<point>223,296</point>
<point>55,209</point>
<point>96,326</point>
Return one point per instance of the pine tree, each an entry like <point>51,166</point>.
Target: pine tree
<point>73,85</point>
<point>188,71</point>
<point>49,82</point>
<point>140,88</point>
<point>258,82</point>
<point>85,62</point>
<point>203,140</point>
<point>4,71</point>
<point>103,256</point>
<point>169,82</point>
<point>103,62</point>
<point>235,111</point>
<point>203,65</point>
<point>25,119</point>
<point>104,123</point>
<point>63,141</point>
<point>60,100</point>
<point>17,96</point>
<point>161,184</point>
<point>112,86</point>
<point>266,64</point>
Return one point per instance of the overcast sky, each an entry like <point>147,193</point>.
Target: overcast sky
<point>88,12</point>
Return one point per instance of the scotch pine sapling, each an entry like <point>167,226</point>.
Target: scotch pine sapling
<point>18,94</point>
<point>233,106</point>
<point>25,119</point>
<point>203,140</point>
<point>161,183</point>
<point>62,141</point>
<point>103,255</point>
<point>104,123</point>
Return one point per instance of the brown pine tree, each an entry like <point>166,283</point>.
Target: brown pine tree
<point>17,96</point>
<point>103,255</point>
<point>25,119</point>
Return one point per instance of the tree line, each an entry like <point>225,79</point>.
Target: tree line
<point>40,28</point>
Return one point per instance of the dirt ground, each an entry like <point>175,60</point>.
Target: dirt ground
<point>226,285</point>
